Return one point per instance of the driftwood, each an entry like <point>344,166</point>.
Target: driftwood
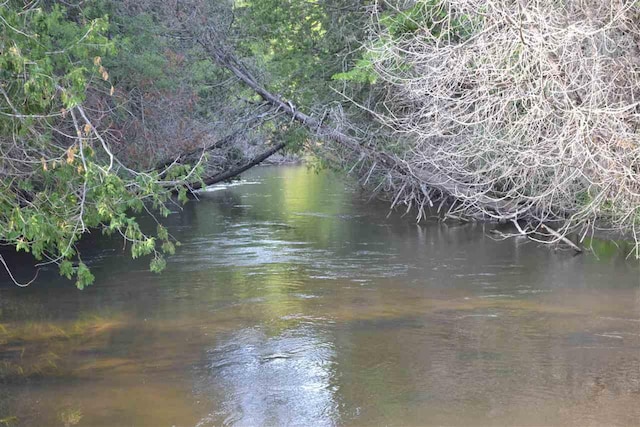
<point>562,238</point>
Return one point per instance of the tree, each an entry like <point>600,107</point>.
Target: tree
<point>300,44</point>
<point>525,112</point>
<point>59,177</point>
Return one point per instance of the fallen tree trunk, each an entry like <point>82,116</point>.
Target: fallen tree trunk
<point>223,176</point>
<point>196,152</point>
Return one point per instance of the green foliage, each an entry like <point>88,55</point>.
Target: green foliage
<point>424,17</point>
<point>294,136</point>
<point>429,16</point>
<point>141,60</point>
<point>300,43</point>
<point>362,72</point>
<point>158,264</point>
<point>61,185</point>
<point>409,21</point>
<point>43,51</point>
<point>83,275</point>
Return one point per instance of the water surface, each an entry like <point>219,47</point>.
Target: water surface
<point>295,301</point>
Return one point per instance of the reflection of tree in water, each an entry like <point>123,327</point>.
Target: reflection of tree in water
<point>226,202</point>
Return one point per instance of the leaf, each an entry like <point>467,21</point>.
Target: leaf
<point>71,152</point>
<point>162,232</point>
<point>84,275</point>
<point>66,269</point>
<point>22,245</point>
<point>158,264</point>
<point>105,75</point>
<point>168,248</point>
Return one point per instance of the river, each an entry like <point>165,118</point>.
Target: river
<point>293,300</point>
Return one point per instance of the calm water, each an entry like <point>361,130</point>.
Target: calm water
<point>293,301</point>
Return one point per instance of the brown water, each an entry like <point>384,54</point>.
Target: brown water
<point>293,301</point>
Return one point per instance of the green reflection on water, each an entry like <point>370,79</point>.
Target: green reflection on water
<point>608,249</point>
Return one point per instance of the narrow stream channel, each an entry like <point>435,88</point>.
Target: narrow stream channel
<point>294,301</point>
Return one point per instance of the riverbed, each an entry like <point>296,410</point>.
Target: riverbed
<point>295,300</point>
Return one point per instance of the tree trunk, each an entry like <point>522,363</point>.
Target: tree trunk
<point>223,176</point>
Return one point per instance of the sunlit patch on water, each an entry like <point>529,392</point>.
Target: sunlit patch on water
<point>497,296</point>
<point>261,380</point>
<point>490,316</point>
<point>620,319</point>
<point>226,186</point>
